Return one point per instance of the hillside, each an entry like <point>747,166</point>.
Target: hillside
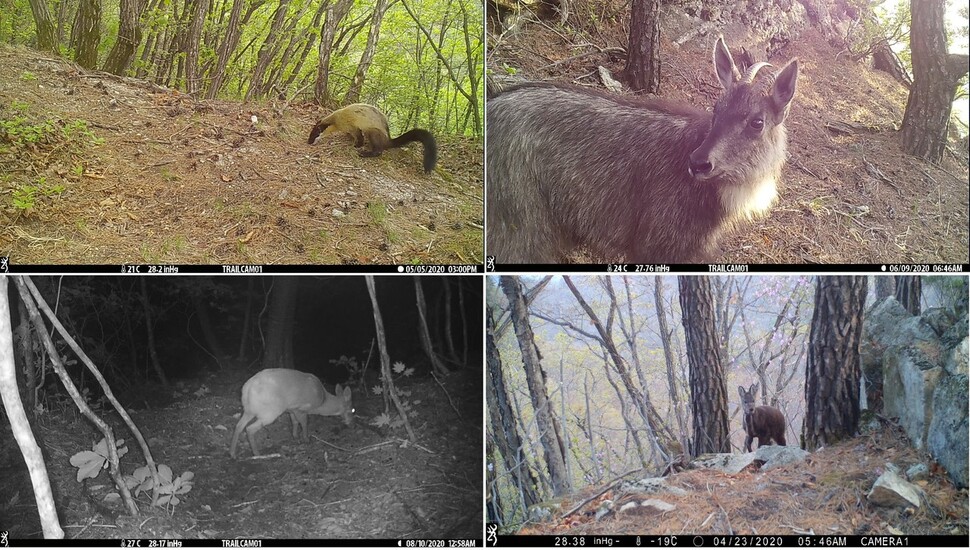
<point>828,492</point>
<point>96,169</point>
<point>834,206</point>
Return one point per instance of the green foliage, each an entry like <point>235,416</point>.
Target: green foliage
<point>377,212</point>
<point>415,85</point>
<point>169,486</point>
<point>21,130</point>
<point>31,146</point>
<point>90,463</point>
<point>25,197</point>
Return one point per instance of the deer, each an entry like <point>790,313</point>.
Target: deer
<point>646,180</point>
<point>765,423</point>
<point>271,392</point>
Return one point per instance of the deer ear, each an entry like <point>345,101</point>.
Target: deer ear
<point>753,388</point>
<point>741,391</point>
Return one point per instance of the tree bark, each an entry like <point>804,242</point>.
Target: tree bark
<point>425,333</point>
<point>503,426</point>
<point>226,47</point>
<point>834,368</point>
<point>267,51</point>
<point>885,286</point>
<point>708,397</point>
<point>149,328</point>
<point>643,61</point>
<point>20,427</point>
<point>335,14</point>
<point>387,376</point>
<point>353,93</point>
<point>192,41</point>
<point>545,417</point>
<point>935,76</point>
<point>129,37</point>
<point>46,32</point>
<point>279,324</point>
<point>909,290</point>
<point>25,340</point>
<point>86,35</point>
<point>673,384</point>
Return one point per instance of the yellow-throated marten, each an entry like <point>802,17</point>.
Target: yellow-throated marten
<point>366,123</point>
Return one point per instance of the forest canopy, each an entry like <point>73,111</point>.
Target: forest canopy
<point>418,60</point>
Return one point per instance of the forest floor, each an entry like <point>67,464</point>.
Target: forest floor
<point>833,206</point>
<point>356,482</point>
<point>824,495</point>
<point>97,169</point>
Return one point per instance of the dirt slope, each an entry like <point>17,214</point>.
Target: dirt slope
<point>827,494</point>
<point>158,177</point>
<point>832,208</point>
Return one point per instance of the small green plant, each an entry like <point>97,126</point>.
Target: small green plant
<point>399,371</point>
<point>19,106</point>
<point>24,197</point>
<point>28,76</point>
<point>377,212</point>
<point>169,176</point>
<point>169,486</point>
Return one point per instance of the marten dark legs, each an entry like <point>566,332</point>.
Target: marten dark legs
<point>376,143</point>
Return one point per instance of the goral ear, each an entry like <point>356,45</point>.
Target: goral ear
<point>783,89</point>
<point>727,71</point>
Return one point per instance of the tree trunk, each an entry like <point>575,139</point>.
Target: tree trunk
<point>335,14</point>
<point>205,322</point>
<point>247,318</point>
<point>643,61</point>
<point>548,424</point>
<point>28,365</point>
<point>449,333</point>
<point>129,37</point>
<point>20,427</point>
<point>834,369</point>
<point>87,33</point>
<point>909,289</point>
<point>267,51</point>
<point>885,286</point>
<point>62,14</point>
<point>226,47</point>
<point>279,323</point>
<point>673,384</point>
<point>935,76</point>
<point>387,376</point>
<point>708,393</point>
<point>439,367</point>
<point>353,93</point>
<point>307,46</point>
<point>46,32</point>
<point>277,69</point>
<point>475,76</point>
<point>192,41</point>
<point>152,351</point>
<point>502,420</point>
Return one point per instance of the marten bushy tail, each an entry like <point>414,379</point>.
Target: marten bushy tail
<point>426,139</point>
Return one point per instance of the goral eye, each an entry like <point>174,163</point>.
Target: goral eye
<point>757,123</point>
